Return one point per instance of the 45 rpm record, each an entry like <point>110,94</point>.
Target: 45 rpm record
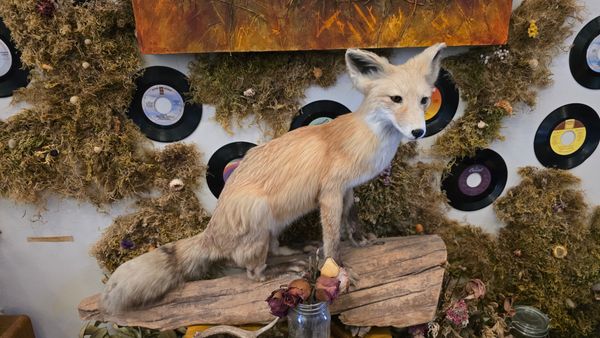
<point>475,182</point>
<point>318,112</point>
<point>12,76</point>
<point>584,58</point>
<point>160,105</point>
<point>444,101</point>
<point>567,136</point>
<point>223,162</point>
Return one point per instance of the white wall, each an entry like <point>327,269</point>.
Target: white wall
<point>47,280</point>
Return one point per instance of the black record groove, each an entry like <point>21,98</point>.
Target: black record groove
<point>552,145</point>
<point>444,102</point>
<point>318,112</point>
<point>475,182</point>
<point>161,106</point>
<point>12,76</point>
<point>222,164</point>
<point>584,58</point>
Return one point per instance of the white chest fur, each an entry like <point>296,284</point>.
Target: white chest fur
<point>389,140</point>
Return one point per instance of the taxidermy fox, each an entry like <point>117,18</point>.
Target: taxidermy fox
<point>281,180</point>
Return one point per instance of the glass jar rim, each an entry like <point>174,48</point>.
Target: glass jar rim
<point>540,327</point>
<point>306,308</point>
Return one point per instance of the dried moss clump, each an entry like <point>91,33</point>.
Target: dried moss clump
<point>171,217</point>
<point>75,140</point>
<point>511,73</point>
<point>265,86</point>
<point>395,202</point>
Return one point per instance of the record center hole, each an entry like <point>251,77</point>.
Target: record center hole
<point>567,138</point>
<point>163,105</point>
<point>473,180</point>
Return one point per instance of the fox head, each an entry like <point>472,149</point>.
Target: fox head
<point>396,95</point>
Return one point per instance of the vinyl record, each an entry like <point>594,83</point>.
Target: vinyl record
<point>161,107</point>
<point>475,182</point>
<point>223,162</point>
<point>567,136</point>
<point>12,76</point>
<point>444,102</point>
<point>584,58</point>
<point>318,112</point>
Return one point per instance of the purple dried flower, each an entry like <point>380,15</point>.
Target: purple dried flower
<point>458,313</point>
<point>127,244</point>
<point>327,289</point>
<point>277,303</point>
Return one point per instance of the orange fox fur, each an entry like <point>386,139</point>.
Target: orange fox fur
<point>278,182</point>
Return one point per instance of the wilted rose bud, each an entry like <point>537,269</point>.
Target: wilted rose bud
<point>327,289</point>
<point>276,303</point>
<point>300,287</point>
<point>475,288</point>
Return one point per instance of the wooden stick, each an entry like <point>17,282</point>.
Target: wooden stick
<point>50,239</point>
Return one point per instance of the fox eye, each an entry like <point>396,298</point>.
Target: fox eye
<point>396,98</point>
<point>424,101</point>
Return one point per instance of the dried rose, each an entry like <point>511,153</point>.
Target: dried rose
<point>458,314</point>
<point>300,287</point>
<point>418,331</point>
<point>327,289</point>
<point>291,299</point>
<point>277,304</point>
<point>508,302</point>
<point>475,288</point>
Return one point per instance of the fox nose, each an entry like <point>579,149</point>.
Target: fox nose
<point>417,132</point>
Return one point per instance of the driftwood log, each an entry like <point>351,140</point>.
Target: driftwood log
<point>399,285</point>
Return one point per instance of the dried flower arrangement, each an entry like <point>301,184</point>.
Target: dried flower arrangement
<point>317,285</point>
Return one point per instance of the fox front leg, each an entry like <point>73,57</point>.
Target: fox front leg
<point>352,223</point>
<point>332,207</point>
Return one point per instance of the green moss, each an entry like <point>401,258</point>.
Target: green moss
<point>157,221</point>
<point>278,81</point>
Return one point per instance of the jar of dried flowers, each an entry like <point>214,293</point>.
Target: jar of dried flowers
<point>305,301</point>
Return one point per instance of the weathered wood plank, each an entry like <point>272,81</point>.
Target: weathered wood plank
<point>400,282</point>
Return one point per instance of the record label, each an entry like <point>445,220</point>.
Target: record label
<point>320,120</point>
<point>230,167</point>
<point>474,180</point>
<point>567,137</point>
<point>443,105</point>
<point>163,105</point>
<point>435,105</point>
<point>223,163</point>
<point>5,59</point>
<point>593,55</point>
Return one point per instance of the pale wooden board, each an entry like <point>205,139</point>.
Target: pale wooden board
<point>400,282</point>
<point>50,239</point>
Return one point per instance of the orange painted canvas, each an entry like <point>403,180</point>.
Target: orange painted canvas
<point>195,26</point>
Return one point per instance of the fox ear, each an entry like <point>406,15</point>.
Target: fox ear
<point>428,62</point>
<point>364,66</point>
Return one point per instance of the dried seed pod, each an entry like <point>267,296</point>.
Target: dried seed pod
<point>176,184</point>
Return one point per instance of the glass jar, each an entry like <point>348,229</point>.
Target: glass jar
<point>309,321</point>
<point>529,322</point>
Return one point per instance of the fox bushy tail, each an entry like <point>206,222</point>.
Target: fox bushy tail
<point>147,278</point>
